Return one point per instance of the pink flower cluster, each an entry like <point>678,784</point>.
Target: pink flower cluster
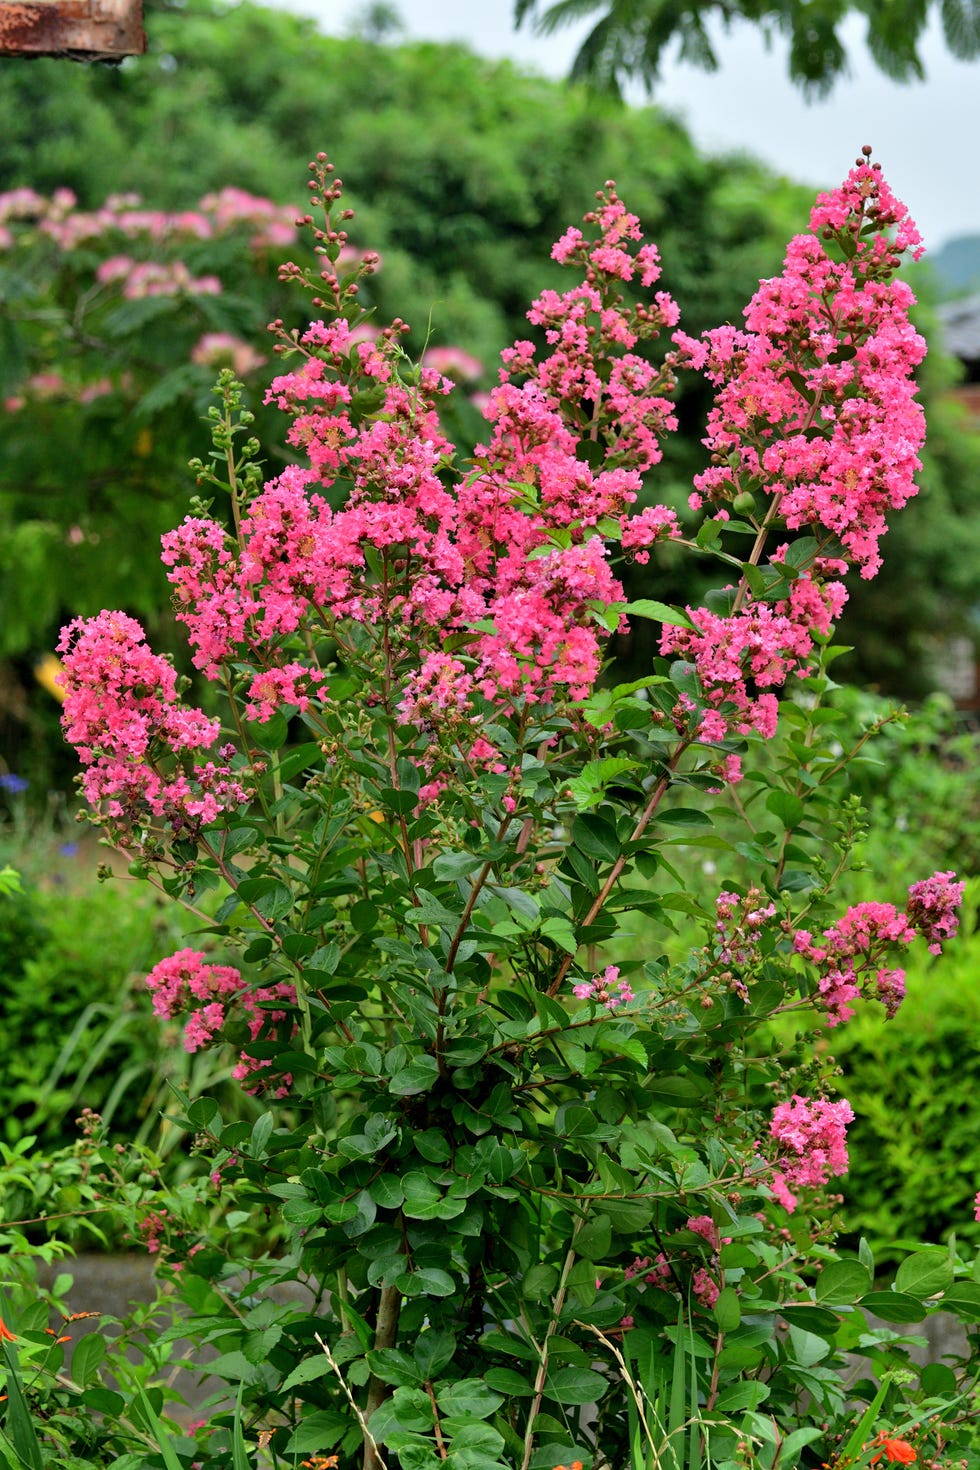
<point>810,1138</point>
<point>606,989</point>
<point>511,560</point>
<point>186,982</point>
<point>274,225</point>
<point>515,554</point>
<point>756,648</point>
<point>140,278</point>
<point>739,925</point>
<point>223,349</point>
<point>138,743</point>
<point>816,409</point>
<point>933,908</point>
<point>705,1283</point>
<point>850,956</point>
<point>852,948</point>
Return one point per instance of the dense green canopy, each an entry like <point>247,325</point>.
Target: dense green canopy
<point>463,172</point>
<point>630,37</point>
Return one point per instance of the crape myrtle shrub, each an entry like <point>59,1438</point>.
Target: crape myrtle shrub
<point>465,172</point>
<point>507,1161</point>
<point>104,371</point>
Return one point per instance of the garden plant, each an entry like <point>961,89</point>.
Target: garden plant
<point>518,1196</point>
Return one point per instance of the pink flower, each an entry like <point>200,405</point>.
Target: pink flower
<point>932,908</point>
<point>187,983</point>
<point>811,1145</point>
<point>704,1226</point>
<point>606,989</point>
<point>705,1287</point>
<point>850,957</point>
<point>124,717</point>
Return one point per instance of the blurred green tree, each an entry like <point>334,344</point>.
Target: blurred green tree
<point>462,171</point>
<point>630,37</point>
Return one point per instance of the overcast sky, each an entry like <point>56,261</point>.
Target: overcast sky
<point>925,134</point>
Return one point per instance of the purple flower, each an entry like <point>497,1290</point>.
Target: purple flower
<point>13,784</point>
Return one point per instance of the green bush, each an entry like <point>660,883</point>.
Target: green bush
<point>914,1085</point>
<point>78,1028</point>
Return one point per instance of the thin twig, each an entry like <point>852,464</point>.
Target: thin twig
<point>368,1436</point>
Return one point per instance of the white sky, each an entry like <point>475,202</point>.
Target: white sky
<point>926,135</point>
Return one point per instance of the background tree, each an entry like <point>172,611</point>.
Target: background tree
<point>463,173</point>
<point>631,36</point>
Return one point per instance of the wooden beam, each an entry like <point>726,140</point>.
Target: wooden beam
<point>83,30</point>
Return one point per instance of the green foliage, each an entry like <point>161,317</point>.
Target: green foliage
<point>464,172</point>
<point>914,1086</point>
<point>78,1027</point>
<point>630,39</point>
<point>513,1193</point>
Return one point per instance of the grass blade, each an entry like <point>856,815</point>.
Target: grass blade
<point>161,1436</point>
<point>20,1423</point>
<point>239,1450</point>
<point>677,1413</point>
<point>853,1447</point>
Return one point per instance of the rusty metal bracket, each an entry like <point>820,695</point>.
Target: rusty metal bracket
<point>83,30</point>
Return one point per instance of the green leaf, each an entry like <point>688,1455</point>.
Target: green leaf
<point>318,1432</point>
<point>595,837</point>
<point>148,1414</point>
<point>426,1281</point>
<point>539,1282</point>
<point>728,1310</point>
<point>893,1306</point>
<point>387,1191</point>
<point>842,1282</point>
<point>739,1396</point>
<point>589,787</point>
<point>268,736</point>
<point>270,898</point>
<point>433,1350</point>
<point>239,1452</point>
<point>575,1386</point>
<point>19,1419</point>
<point>506,1381</point>
<point>418,1076</point>
<point>323,960</point>
<point>86,1358</point>
<point>421,1194</point>
<point>936,1379</point>
<point>468,1397</point>
<point>104,1401</point>
<point>594,1239</point>
<point>807,1348</point>
<point>685,817</point>
<point>787,807</point>
<point>393,1366</point>
<point>963,1298</point>
<point>450,865</point>
<point>403,803</point>
<point>308,1371</point>
<point>924,1274</point>
<point>794,880</point>
<point>793,1443</point>
<point>660,612</point>
<point>682,1091</point>
<point>299,759</point>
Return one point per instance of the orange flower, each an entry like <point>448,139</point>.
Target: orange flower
<point>5,1333</point>
<point>895,1451</point>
